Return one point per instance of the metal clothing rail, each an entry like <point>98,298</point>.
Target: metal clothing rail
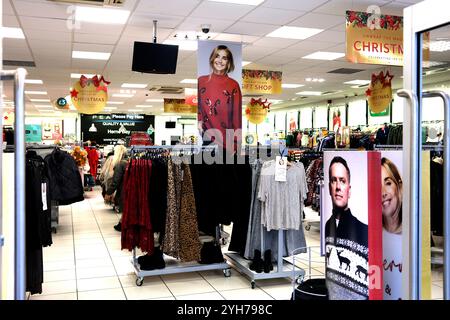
<point>19,180</point>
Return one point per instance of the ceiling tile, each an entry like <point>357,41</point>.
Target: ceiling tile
<point>308,46</point>
<point>92,38</point>
<point>194,24</point>
<point>275,42</point>
<point>317,20</point>
<point>146,20</point>
<point>394,8</point>
<point>273,60</point>
<point>251,29</point>
<point>44,24</point>
<point>338,7</point>
<point>235,38</point>
<point>17,53</point>
<point>92,47</point>
<point>56,46</point>
<point>47,9</point>
<point>253,52</point>
<point>293,5</point>
<point>6,8</point>
<point>97,65</point>
<point>34,34</point>
<point>167,7</point>
<point>221,10</point>
<point>332,37</point>
<point>10,21</point>
<point>277,16</point>
<point>99,29</point>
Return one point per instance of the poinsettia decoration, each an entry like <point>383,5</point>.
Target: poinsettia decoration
<point>80,156</point>
<point>359,19</point>
<point>258,74</point>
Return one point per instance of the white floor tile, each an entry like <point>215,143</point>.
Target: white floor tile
<point>58,265</point>
<point>246,294</point>
<point>436,292</point>
<point>177,277</point>
<point>189,287</point>
<point>57,287</point>
<point>59,275</point>
<point>63,296</point>
<point>201,296</point>
<point>98,283</point>
<point>88,241</point>
<point>96,272</point>
<point>130,280</point>
<point>279,292</point>
<point>233,282</point>
<point>108,294</point>
<point>91,263</point>
<point>147,292</point>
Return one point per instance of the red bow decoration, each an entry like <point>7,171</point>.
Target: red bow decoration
<point>384,79</point>
<point>84,81</point>
<point>264,103</point>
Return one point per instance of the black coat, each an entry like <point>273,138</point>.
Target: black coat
<point>117,183</point>
<point>65,180</point>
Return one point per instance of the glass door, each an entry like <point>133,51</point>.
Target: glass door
<point>426,86</point>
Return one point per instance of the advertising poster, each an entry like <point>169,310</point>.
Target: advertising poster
<point>337,118</point>
<point>261,82</point>
<point>33,133</point>
<point>219,89</point>
<point>52,129</point>
<point>109,128</point>
<point>350,204</point>
<point>178,106</point>
<point>293,121</point>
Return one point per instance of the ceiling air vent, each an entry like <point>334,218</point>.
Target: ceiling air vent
<point>95,2</point>
<point>167,90</point>
<point>345,71</point>
<point>17,63</point>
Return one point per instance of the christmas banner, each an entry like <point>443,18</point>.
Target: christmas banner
<point>374,38</point>
<point>256,111</point>
<point>379,93</point>
<point>351,225</point>
<point>261,82</point>
<point>178,106</point>
<point>90,95</point>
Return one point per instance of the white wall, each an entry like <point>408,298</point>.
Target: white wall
<point>305,118</point>
<point>357,113</point>
<point>161,133</point>
<point>69,123</point>
<point>320,117</point>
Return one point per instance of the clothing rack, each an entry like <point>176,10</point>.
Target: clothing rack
<point>174,266</point>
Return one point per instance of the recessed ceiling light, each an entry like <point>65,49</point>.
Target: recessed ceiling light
<point>154,100</point>
<point>122,95</point>
<point>35,92</point>
<point>33,81</point>
<point>294,32</point>
<point>78,75</point>
<point>144,106</point>
<point>101,15</point>
<point>291,85</point>
<point>13,33</point>
<point>185,45</point>
<point>323,55</point>
<point>115,102</point>
<point>91,55</point>
<point>190,81</point>
<point>40,100</point>
<point>358,82</point>
<point>244,63</point>
<point>134,85</point>
<point>248,2</point>
<point>309,93</point>
<point>128,91</point>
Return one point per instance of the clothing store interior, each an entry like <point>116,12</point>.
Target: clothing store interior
<point>134,189</point>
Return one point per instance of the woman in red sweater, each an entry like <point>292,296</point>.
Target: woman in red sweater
<point>220,101</point>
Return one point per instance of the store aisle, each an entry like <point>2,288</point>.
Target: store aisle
<point>85,262</point>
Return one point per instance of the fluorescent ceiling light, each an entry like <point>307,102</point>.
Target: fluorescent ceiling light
<point>13,33</point>
<point>78,75</point>
<point>115,102</point>
<point>190,81</point>
<point>43,106</point>
<point>123,95</point>
<point>134,85</point>
<point>294,32</point>
<point>309,93</point>
<point>144,106</point>
<point>36,92</point>
<point>323,55</point>
<point>244,63</point>
<point>439,46</point>
<point>91,55</point>
<point>185,45</point>
<point>101,15</point>
<point>291,85</point>
<point>314,79</point>
<point>40,100</point>
<point>154,100</point>
<point>128,91</point>
<point>248,2</point>
<point>33,81</point>
<point>358,82</point>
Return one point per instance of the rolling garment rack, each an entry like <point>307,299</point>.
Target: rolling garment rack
<point>173,266</point>
<point>18,76</point>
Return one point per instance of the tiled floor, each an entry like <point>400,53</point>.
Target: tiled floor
<point>85,263</point>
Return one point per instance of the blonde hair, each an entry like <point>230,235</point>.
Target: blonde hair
<point>394,175</point>
<point>119,153</point>
<point>230,66</point>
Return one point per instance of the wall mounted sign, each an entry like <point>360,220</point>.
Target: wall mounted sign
<point>379,93</point>
<point>178,106</point>
<point>52,129</point>
<point>374,38</point>
<point>256,111</point>
<point>90,95</point>
<point>33,133</point>
<point>261,82</point>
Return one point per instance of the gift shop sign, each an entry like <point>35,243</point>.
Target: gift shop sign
<point>261,82</point>
<point>90,95</point>
<point>374,38</point>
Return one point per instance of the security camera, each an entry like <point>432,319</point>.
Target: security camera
<point>206,28</point>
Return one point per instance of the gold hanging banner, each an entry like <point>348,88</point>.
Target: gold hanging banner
<point>261,82</point>
<point>90,95</point>
<point>256,111</point>
<point>178,106</point>
<point>379,94</point>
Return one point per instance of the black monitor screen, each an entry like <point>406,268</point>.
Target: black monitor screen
<point>151,57</point>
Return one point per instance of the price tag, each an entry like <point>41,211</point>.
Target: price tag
<point>281,168</point>
<point>44,196</point>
